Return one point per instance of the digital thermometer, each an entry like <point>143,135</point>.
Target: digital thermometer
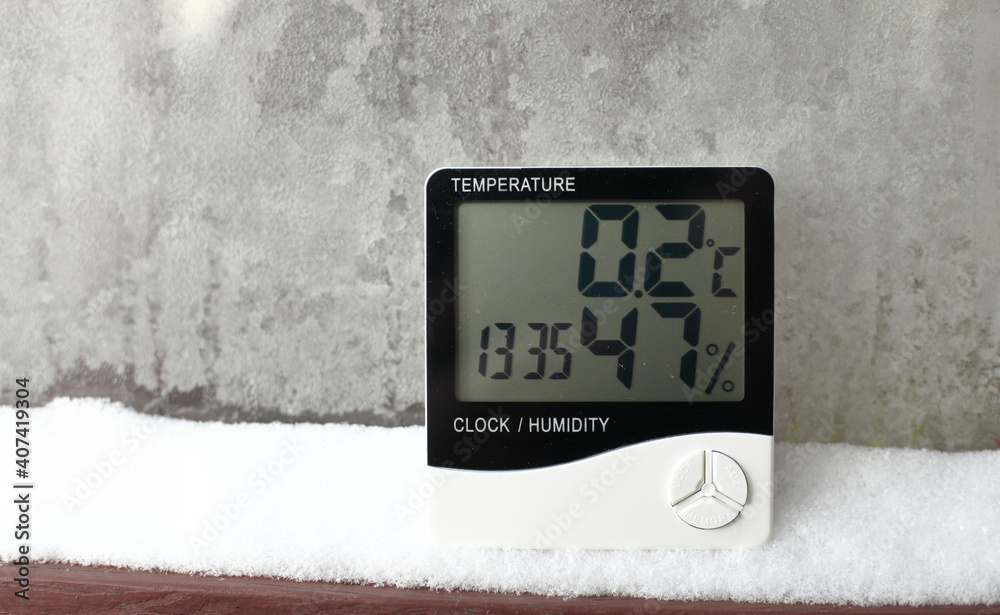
<point>600,356</point>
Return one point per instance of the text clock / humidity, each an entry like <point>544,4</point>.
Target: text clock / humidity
<point>600,356</point>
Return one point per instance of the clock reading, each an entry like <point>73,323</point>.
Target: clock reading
<point>583,301</point>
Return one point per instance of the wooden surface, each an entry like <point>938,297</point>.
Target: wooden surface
<point>64,588</point>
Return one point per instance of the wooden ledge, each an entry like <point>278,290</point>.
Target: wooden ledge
<point>67,588</point>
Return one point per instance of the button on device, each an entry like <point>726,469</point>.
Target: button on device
<point>688,477</point>
<point>728,478</point>
<point>708,504</point>
<point>707,514</point>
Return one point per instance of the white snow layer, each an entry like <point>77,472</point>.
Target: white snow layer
<point>343,503</point>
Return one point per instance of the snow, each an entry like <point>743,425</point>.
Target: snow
<point>343,503</point>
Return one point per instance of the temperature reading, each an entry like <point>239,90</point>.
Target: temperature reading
<point>643,298</point>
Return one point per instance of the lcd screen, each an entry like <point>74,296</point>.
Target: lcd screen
<point>600,301</point>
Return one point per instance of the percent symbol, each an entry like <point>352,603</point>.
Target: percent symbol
<point>719,368</point>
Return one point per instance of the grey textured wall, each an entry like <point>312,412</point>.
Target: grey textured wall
<point>214,208</point>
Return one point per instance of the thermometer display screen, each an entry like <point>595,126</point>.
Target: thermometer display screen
<point>591,301</point>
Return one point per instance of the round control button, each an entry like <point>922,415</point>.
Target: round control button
<point>707,513</point>
<point>708,489</point>
<point>687,478</point>
<point>728,478</point>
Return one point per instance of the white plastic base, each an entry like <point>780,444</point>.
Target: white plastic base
<point>619,499</point>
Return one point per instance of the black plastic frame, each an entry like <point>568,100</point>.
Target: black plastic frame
<point>640,421</point>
